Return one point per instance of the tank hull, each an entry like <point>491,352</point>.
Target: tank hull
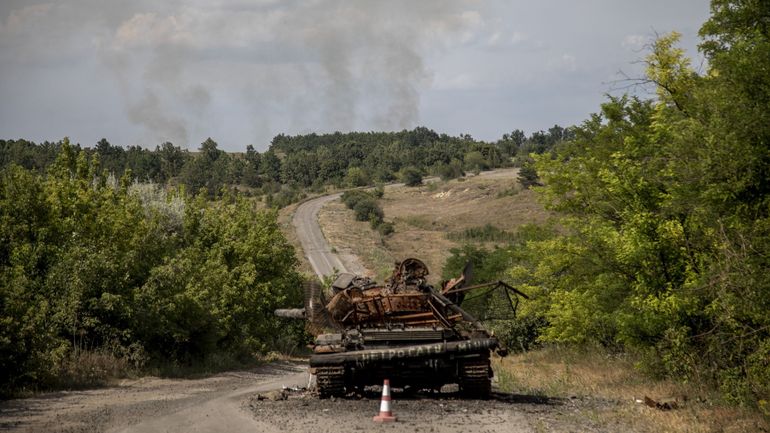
<point>421,366</point>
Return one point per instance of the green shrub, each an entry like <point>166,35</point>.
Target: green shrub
<point>351,198</point>
<point>411,176</point>
<point>367,210</point>
<point>386,228</point>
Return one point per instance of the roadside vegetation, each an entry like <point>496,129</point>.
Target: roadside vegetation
<point>663,209</point>
<point>617,388</point>
<point>99,276</point>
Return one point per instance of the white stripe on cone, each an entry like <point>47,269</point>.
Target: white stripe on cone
<point>386,415</point>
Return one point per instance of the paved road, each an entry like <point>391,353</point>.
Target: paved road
<point>317,250</point>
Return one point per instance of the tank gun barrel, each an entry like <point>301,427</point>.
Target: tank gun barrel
<point>454,307</point>
<point>291,313</point>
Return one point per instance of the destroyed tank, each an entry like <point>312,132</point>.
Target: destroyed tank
<point>406,331</point>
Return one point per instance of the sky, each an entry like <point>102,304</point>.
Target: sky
<point>144,72</point>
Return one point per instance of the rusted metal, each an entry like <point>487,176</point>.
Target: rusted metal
<point>362,357</point>
<point>405,330</point>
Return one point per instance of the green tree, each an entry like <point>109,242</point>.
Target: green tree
<point>665,208</point>
<point>172,160</point>
<point>528,175</point>
<point>131,269</point>
<point>356,177</point>
<point>411,176</point>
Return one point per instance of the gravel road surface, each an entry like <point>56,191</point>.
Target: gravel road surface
<point>319,253</point>
<point>212,404</point>
<point>314,245</point>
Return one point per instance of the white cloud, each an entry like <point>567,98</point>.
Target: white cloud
<point>634,42</point>
<point>518,37</point>
<point>22,19</point>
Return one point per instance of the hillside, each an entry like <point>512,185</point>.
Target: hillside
<point>427,217</point>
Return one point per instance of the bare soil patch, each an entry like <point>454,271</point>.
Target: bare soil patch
<point>304,413</point>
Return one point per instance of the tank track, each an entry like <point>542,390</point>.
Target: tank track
<point>330,381</point>
<point>475,380</point>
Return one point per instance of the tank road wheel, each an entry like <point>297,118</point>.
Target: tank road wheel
<point>331,381</point>
<point>475,380</point>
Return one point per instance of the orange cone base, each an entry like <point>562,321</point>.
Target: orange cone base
<point>385,417</point>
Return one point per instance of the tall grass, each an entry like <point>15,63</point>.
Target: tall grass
<point>485,233</point>
<point>596,374</point>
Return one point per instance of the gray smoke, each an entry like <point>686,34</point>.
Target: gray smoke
<point>149,113</point>
<point>371,54</point>
<point>294,66</point>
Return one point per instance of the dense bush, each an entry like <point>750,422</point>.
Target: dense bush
<point>411,176</point>
<point>452,170</point>
<point>88,263</point>
<point>366,208</point>
<point>664,213</point>
<point>352,197</point>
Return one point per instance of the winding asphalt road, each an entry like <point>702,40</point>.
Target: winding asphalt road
<point>317,250</point>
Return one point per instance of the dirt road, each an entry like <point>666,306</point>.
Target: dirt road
<point>445,413</point>
<point>252,401</point>
<point>212,404</point>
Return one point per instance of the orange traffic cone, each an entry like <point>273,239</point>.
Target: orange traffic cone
<point>386,415</point>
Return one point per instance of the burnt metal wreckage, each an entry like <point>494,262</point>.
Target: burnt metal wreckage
<point>405,330</point>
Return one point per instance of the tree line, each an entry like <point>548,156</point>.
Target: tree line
<point>295,163</point>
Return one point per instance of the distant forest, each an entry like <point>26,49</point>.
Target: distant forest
<point>300,161</point>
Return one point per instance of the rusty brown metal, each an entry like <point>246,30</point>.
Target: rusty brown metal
<point>404,329</point>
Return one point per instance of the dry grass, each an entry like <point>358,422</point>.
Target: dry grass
<point>423,216</point>
<point>285,216</point>
<point>88,369</point>
<point>355,238</point>
<point>568,373</point>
